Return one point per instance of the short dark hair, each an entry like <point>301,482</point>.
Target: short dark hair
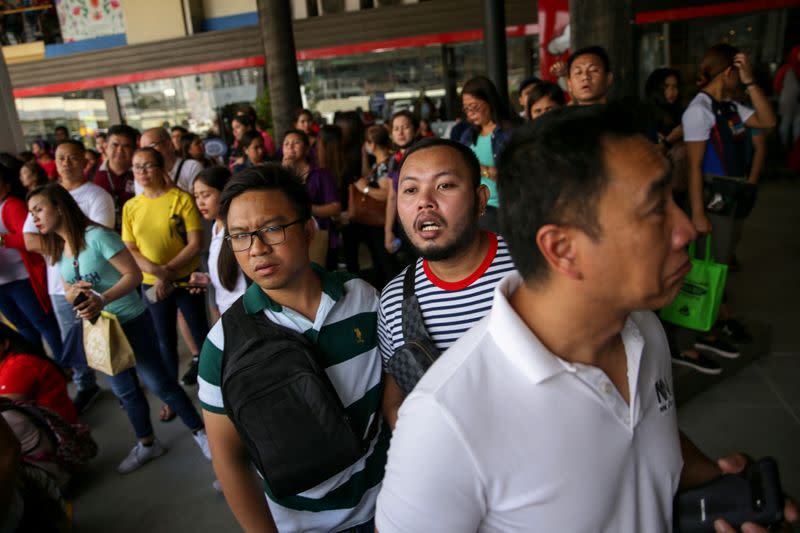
<point>530,80</point>
<point>466,153</point>
<point>61,128</point>
<point>72,142</point>
<point>300,133</point>
<point>181,129</point>
<point>123,130</point>
<point>267,177</point>
<point>408,115</point>
<point>545,89</point>
<point>596,50</point>
<point>101,135</point>
<point>248,138</point>
<point>553,172</point>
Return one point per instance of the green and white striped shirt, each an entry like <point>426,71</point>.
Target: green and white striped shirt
<point>345,332</point>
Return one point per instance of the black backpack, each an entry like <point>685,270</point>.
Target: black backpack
<point>283,405</point>
<point>418,352</point>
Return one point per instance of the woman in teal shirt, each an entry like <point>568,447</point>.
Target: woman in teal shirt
<point>491,124</point>
<point>94,262</point>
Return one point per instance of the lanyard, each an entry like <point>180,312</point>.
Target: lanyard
<point>77,271</point>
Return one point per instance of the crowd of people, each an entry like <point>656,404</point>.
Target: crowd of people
<point>523,255</point>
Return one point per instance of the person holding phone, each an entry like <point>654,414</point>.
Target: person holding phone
<point>99,273</point>
<point>224,273</point>
<point>162,229</point>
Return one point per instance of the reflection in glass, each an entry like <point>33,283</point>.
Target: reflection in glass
<point>82,112</point>
<point>193,102</point>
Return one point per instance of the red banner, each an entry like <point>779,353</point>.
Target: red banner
<point>553,35</point>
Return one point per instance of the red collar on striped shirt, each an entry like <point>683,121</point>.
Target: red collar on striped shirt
<point>469,280</point>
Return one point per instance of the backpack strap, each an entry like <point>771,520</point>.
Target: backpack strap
<point>413,325</point>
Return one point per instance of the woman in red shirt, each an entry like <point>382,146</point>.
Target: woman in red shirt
<point>41,150</point>
<point>26,375</point>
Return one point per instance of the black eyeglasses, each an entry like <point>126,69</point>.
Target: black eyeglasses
<point>268,235</point>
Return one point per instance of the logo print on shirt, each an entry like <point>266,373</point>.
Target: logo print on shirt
<point>359,335</point>
<point>664,395</point>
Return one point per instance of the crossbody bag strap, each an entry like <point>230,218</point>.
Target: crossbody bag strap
<point>413,325</point>
<point>178,173</point>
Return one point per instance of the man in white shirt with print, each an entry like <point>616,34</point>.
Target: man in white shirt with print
<point>555,412</point>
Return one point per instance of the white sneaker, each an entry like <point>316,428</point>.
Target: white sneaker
<point>140,454</point>
<point>202,440</point>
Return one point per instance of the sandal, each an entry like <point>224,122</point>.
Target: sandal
<point>166,414</point>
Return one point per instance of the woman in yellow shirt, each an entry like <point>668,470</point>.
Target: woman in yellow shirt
<point>163,230</point>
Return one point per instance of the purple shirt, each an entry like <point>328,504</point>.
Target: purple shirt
<point>322,190</point>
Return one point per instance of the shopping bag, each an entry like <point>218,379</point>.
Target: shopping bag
<point>697,304</point>
<point>106,346</point>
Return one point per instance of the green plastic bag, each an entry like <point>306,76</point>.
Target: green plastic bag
<point>697,304</point>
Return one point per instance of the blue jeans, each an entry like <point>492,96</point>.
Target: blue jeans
<point>150,368</point>
<point>83,376</point>
<point>164,313</point>
<point>19,305</point>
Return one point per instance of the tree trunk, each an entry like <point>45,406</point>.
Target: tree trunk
<point>277,34</point>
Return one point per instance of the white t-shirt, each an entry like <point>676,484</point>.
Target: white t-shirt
<point>185,181</point>
<point>97,205</point>
<point>11,266</point>
<point>222,296</point>
<point>501,435</point>
<point>698,119</point>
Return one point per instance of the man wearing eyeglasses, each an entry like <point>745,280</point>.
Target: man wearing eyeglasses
<point>267,214</point>
<point>182,171</point>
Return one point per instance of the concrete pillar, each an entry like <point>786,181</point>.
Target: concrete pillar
<point>11,140</point>
<point>494,44</point>
<point>608,23</point>
<point>277,34</point>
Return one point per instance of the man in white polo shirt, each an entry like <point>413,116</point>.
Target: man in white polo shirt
<point>555,412</point>
<point>96,204</point>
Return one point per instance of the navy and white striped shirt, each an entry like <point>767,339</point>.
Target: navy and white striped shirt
<point>448,309</point>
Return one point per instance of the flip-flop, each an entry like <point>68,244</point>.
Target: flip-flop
<point>166,414</point>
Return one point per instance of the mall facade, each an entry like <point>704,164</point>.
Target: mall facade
<point>90,63</point>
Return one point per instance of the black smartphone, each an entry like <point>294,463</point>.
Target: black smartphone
<point>79,299</point>
<point>754,495</point>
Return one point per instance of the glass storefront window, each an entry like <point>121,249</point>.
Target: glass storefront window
<point>82,112</point>
<point>398,76</point>
<point>682,44</point>
<point>194,102</point>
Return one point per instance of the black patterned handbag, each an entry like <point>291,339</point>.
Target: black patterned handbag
<point>411,360</point>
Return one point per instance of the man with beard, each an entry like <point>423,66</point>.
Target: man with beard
<point>439,201</point>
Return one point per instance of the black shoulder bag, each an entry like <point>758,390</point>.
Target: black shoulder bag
<point>284,407</point>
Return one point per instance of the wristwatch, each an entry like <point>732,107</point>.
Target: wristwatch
<point>366,190</point>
